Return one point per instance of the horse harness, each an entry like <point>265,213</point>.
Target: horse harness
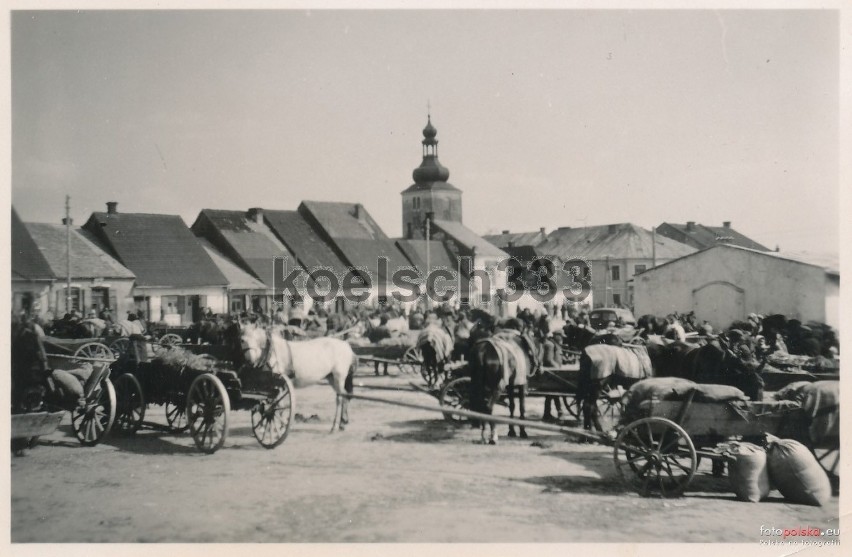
<point>266,360</point>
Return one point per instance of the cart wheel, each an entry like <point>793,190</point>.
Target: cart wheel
<point>574,406</point>
<point>176,413</point>
<point>271,418</point>
<point>609,408</point>
<point>130,403</point>
<point>207,410</point>
<point>95,350</point>
<point>91,422</point>
<point>829,459</point>
<point>456,394</point>
<point>120,347</point>
<point>410,360</point>
<point>655,455</point>
<point>170,339</point>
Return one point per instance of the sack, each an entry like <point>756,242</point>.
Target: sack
<point>717,393</point>
<point>661,388</point>
<point>748,472</point>
<point>822,407</point>
<point>795,472</point>
<point>67,388</point>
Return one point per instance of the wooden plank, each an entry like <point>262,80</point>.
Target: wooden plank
<point>80,358</point>
<point>576,432</point>
<point>724,419</point>
<point>32,425</point>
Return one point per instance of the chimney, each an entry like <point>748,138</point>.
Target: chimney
<point>357,210</point>
<point>510,244</point>
<point>66,221</point>
<point>112,207</point>
<point>690,226</point>
<point>612,228</point>
<point>543,231</point>
<point>505,232</point>
<point>726,224</point>
<point>256,214</point>
<point>777,248</point>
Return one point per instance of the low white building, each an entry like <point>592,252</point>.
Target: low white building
<point>175,277</point>
<point>725,283</point>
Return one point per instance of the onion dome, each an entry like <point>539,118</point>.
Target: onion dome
<point>430,170</point>
<point>429,132</point>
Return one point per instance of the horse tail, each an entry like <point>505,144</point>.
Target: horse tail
<point>350,377</point>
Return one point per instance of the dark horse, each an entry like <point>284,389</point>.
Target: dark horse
<point>605,366</point>
<point>723,361</point>
<point>207,331</point>
<point>499,362</point>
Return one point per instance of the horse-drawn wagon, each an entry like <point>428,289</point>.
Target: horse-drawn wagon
<point>405,356</point>
<point>658,453</point>
<point>92,413</point>
<point>561,383</point>
<point>198,392</point>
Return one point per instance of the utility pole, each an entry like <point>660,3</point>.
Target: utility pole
<point>67,254</point>
<point>428,256</point>
<point>653,247</point>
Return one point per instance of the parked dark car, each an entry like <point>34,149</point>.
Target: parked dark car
<point>599,318</point>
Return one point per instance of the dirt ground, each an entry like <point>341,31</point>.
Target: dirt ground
<point>395,475</point>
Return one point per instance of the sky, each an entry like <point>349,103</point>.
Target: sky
<point>545,117</point>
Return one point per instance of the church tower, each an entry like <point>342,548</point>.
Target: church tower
<point>430,193</point>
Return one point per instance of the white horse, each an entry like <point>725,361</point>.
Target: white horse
<point>307,362</point>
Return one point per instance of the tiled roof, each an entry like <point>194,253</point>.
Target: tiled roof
<point>159,249</point>
<point>302,240</point>
<point>707,236</point>
<point>525,254</point>
<point>431,186</point>
<point>28,263</point>
<point>237,278</point>
<point>516,239</point>
<point>439,257</point>
<point>358,238</point>
<point>468,238</point>
<point>828,263</point>
<point>618,241</point>
<point>88,260</point>
<point>247,242</point>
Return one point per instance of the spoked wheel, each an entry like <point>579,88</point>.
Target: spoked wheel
<point>574,406</point>
<point>170,339</point>
<point>92,421</point>
<point>130,404</point>
<point>271,418</point>
<point>120,347</point>
<point>207,412</point>
<point>176,413</point>
<point>609,407</point>
<point>829,459</point>
<point>410,360</point>
<point>96,350</point>
<point>655,456</point>
<point>456,394</point>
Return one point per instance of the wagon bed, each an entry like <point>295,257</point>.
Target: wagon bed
<point>659,453</point>
<point>200,398</point>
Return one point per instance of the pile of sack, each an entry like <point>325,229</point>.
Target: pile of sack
<point>673,388</point>
<point>785,464</point>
